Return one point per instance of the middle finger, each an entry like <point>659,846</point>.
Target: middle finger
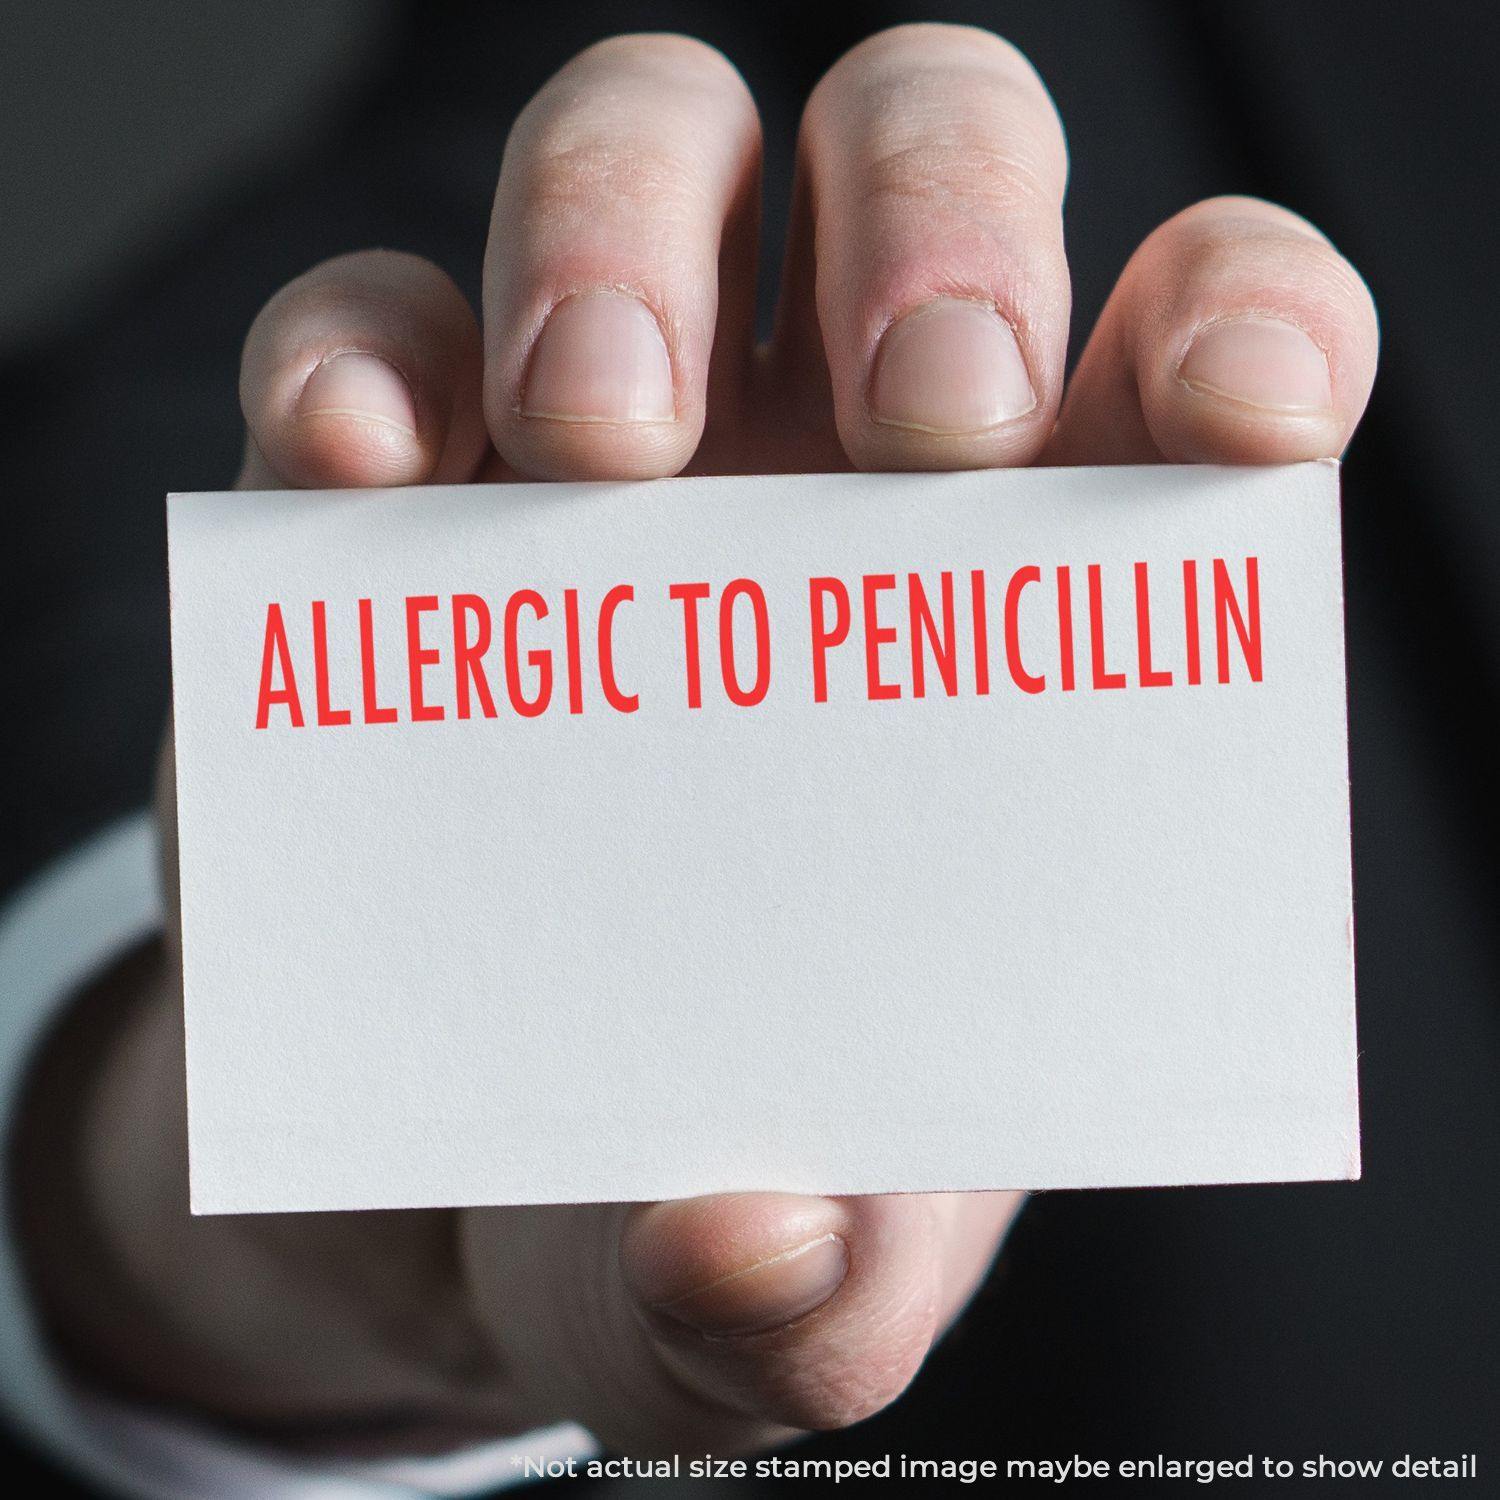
<point>933,169</point>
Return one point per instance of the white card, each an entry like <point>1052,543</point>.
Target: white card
<point>504,908</point>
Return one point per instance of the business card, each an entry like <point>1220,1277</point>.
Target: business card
<point>833,834</point>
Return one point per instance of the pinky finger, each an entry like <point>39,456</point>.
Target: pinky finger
<point>365,371</point>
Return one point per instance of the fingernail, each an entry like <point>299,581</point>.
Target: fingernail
<point>950,366</point>
<point>600,358</point>
<point>1260,362</point>
<point>361,386</point>
<point>764,1295</point>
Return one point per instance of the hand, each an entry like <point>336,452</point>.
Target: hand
<point>923,326</point>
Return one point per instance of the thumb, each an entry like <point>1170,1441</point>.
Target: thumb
<point>723,1323</point>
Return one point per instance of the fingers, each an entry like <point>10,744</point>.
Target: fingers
<point>365,371</point>
<point>729,1321</point>
<point>1236,334</point>
<point>625,183</point>
<point>934,166</point>
<point>802,1312</point>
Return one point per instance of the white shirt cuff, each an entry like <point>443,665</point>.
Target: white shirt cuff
<point>56,935</point>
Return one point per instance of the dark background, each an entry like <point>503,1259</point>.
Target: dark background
<point>167,167</point>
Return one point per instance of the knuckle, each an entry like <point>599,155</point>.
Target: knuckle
<point>650,50</point>
<point>574,163</point>
<point>959,168</point>
<point>349,288</point>
<point>945,42</point>
<point>914,116</point>
<point>682,77</point>
<point>1243,244</point>
<point>588,141</point>
<point>1243,208</point>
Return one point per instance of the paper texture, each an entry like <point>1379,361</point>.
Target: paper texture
<point>504,907</point>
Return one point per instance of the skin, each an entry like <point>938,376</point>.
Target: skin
<point>931,164</point>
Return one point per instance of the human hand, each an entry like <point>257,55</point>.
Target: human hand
<point>923,325</point>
